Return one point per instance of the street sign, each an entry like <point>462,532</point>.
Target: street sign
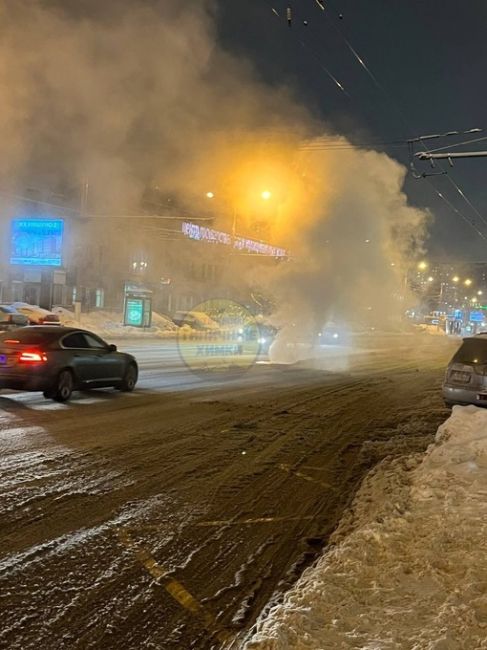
<point>476,317</point>
<point>59,277</point>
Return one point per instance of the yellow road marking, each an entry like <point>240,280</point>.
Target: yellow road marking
<point>287,468</point>
<point>173,587</point>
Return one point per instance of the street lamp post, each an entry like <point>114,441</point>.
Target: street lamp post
<point>265,195</point>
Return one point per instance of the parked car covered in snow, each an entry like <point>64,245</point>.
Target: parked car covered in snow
<point>36,315</point>
<point>196,319</point>
<point>10,318</point>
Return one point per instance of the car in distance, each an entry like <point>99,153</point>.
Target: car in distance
<point>57,360</point>
<point>10,318</point>
<point>466,376</point>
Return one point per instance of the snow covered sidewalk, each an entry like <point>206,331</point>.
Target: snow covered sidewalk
<point>408,568</point>
<point>110,325</point>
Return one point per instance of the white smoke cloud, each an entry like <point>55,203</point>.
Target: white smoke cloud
<point>120,94</point>
<point>352,251</point>
<point>125,95</point>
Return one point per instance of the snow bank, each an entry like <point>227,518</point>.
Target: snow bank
<point>110,324</point>
<point>409,565</point>
<point>433,330</point>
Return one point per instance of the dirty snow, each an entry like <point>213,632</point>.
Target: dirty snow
<point>407,567</point>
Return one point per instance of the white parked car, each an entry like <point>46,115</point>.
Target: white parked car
<point>36,315</point>
<point>11,318</point>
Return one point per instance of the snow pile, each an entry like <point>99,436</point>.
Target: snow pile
<point>201,320</point>
<point>434,330</point>
<point>409,565</point>
<point>334,358</point>
<point>110,324</point>
<point>163,322</point>
<point>66,317</point>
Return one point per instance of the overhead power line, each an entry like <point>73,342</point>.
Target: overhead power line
<point>407,124</point>
<point>147,216</point>
<point>325,69</point>
<point>317,145</point>
<point>456,211</point>
<point>94,215</point>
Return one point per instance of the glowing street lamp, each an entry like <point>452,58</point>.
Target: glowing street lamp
<point>422,266</point>
<point>431,278</point>
<point>265,195</point>
<point>480,293</point>
<point>455,278</point>
<point>139,266</point>
<point>468,282</point>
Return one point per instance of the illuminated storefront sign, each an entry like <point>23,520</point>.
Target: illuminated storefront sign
<point>202,233</point>
<point>258,247</point>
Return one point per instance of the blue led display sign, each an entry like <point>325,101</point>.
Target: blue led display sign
<point>476,317</point>
<point>37,242</point>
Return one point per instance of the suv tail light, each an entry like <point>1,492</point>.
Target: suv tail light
<point>32,356</point>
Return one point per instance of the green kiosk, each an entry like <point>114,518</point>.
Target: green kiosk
<point>137,305</point>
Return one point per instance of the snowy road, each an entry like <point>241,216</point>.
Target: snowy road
<point>168,517</point>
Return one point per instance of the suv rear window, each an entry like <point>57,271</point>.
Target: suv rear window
<point>472,351</point>
<point>26,337</point>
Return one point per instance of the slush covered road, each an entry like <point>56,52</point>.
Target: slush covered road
<point>169,517</point>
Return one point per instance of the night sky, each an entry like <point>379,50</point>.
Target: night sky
<point>429,57</point>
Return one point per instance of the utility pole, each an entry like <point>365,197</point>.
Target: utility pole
<point>84,198</point>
